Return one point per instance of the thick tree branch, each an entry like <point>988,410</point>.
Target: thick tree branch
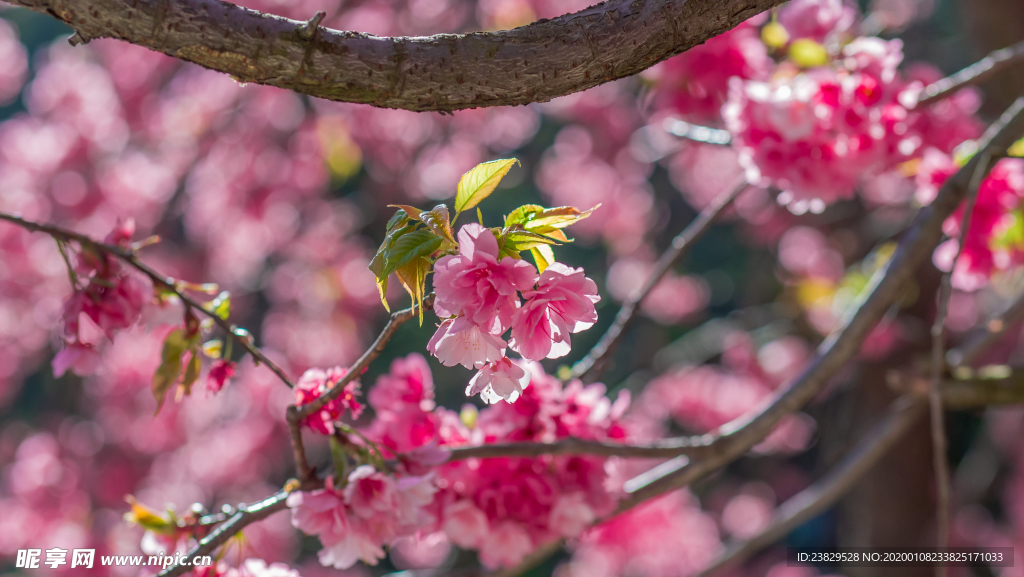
<point>589,368</point>
<point>734,439</point>
<point>240,335</point>
<point>445,72</point>
<point>241,519</point>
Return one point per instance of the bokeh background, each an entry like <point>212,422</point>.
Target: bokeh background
<point>281,199</point>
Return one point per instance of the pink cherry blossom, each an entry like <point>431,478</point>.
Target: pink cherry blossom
<point>313,384</point>
<point>696,82</point>
<point>478,284</point>
<point>372,510</point>
<point>571,515</point>
<point>460,342</point>
<point>408,382</point>
<point>465,524</point>
<point>500,380</point>
<point>505,546</point>
<point>563,303</point>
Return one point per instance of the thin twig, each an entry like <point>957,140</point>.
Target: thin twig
<point>241,336</point>
<point>302,469</point>
<point>241,519</point>
<point>297,413</point>
<point>813,500</point>
<point>696,132</point>
<point>735,438</point>
<point>973,74</point>
<point>974,346</point>
<point>590,367</point>
<point>940,461</point>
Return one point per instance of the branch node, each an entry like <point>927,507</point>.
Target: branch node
<point>78,38</point>
<point>309,29</point>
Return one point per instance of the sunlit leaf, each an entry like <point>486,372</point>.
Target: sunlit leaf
<point>543,256</point>
<point>220,306</point>
<point>147,518</point>
<point>520,240</point>
<point>413,276</point>
<point>410,211</point>
<point>480,182</point>
<point>438,221</point>
<point>523,214</point>
<point>213,349</point>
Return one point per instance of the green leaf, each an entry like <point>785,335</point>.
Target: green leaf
<point>520,240</point>
<point>480,182</point>
<point>410,246</point>
<point>221,306</point>
<point>175,344</point>
<point>191,373</point>
<point>437,220</point>
<point>523,214</point>
<point>540,219</point>
<point>414,279</point>
<point>543,256</point>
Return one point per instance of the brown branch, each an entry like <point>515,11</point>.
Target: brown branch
<point>658,449</point>
<point>591,366</point>
<point>986,67</point>
<point>734,439</point>
<point>297,413</point>
<point>445,72</point>
<point>810,502</point>
<point>244,517</point>
<point>974,346</point>
<point>940,460</point>
<point>241,336</point>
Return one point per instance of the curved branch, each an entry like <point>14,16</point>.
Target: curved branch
<point>734,439</point>
<point>444,72</point>
<point>241,519</point>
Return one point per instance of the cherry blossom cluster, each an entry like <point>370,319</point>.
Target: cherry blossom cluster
<point>504,507</point>
<point>477,296</point>
<point>995,233</point>
<point>109,300</point>
<point>354,521</point>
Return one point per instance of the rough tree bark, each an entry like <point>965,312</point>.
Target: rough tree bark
<point>445,72</point>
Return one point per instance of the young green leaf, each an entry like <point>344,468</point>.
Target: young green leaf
<point>220,306</point>
<point>418,243</point>
<point>543,256</point>
<point>480,182</point>
<point>438,221</point>
<point>413,277</point>
<point>523,214</point>
<point>539,219</point>
<point>175,344</point>
<point>520,240</point>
